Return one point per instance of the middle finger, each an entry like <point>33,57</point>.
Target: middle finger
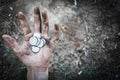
<point>37,20</point>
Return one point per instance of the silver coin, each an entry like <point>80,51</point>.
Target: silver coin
<point>33,41</point>
<point>41,44</point>
<point>35,49</point>
<point>37,35</point>
<point>38,42</point>
<point>44,41</point>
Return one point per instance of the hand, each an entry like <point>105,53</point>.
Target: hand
<point>23,51</point>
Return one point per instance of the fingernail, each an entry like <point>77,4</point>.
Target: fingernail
<point>21,15</point>
<point>36,10</point>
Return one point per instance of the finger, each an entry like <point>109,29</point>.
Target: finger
<point>12,42</point>
<point>45,23</point>
<point>27,37</point>
<point>23,22</point>
<point>55,34</point>
<point>37,20</point>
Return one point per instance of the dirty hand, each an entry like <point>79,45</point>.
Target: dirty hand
<point>23,52</point>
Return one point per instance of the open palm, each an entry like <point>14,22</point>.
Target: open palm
<point>23,51</point>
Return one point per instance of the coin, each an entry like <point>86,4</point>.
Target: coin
<point>33,41</point>
<point>44,41</point>
<point>38,42</point>
<point>35,49</point>
<point>37,35</point>
<point>41,43</point>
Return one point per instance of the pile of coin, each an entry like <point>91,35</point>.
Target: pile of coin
<point>36,42</point>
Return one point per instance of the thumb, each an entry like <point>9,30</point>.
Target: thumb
<point>11,41</point>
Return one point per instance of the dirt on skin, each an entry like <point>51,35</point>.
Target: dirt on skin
<point>88,43</point>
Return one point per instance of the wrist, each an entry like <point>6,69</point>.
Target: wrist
<point>35,69</point>
<point>37,73</point>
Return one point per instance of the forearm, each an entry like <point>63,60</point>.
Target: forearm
<point>34,73</point>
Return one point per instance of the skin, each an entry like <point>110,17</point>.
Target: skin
<point>36,63</point>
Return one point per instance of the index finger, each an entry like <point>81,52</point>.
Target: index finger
<point>24,24</point>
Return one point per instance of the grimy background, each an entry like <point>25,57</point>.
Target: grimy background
<point>88,47</point>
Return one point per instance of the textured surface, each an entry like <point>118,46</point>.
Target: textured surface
<point>88,44</point>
